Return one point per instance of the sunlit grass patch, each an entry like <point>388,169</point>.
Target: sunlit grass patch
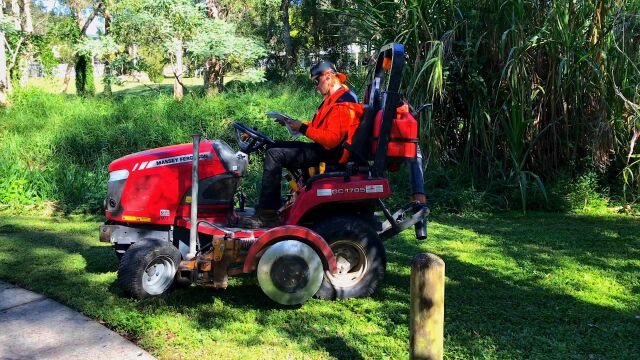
<point>538,286</point>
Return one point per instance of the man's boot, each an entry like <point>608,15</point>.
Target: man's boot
<point>263,218</point>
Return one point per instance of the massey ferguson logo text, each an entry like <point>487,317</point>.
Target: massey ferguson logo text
<point>170,161</point>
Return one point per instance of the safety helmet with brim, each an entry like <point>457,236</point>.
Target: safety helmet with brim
<point>321,68</point>
<point>324,67</point>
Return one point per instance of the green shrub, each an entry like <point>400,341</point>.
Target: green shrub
<point>56,148</point>
<point>582,194</point>
<point>452,191</point>
<point>586,195</point>
<point>154,62</point>
<point>47,59</point>
<point>85,85</point>
<point>555,200</point>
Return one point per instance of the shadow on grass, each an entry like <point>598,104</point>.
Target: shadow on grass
<point>337,347</point>
<point>518,319</point>
<point>489,313</point>
<point>513,310</point>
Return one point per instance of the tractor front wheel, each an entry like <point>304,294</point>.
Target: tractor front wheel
<point>148,268</point>
<point>360,257</point>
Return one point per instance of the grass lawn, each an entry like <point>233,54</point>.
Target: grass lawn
<point>544,286</point>
<point>129,86</point>
<point>134,86</point>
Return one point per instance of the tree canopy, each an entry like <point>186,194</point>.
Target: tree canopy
<point>525,93</point>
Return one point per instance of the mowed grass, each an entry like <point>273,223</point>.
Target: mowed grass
<point>544,286</point>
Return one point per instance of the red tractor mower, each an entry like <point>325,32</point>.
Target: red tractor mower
<point>171,212</point>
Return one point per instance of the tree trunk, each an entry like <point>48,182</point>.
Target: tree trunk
<point>316,33</point>
<point>15,10</point>
<point>288,41</point>
<point>178,91</point>
<point>85,85</point>
<point>3,64</point>
<point>107,77</point>
<point>212,68</point>
<point>133,52</point>
<point>84,75</point>
<point>81,70</point>
<point>212,77</point>
<point>212,10</point>
<point>27,26</point>
<point>67,78</point>
<point>24,65</point>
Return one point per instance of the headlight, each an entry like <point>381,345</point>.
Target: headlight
<point>118,175</point>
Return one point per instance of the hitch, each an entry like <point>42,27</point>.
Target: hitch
<point>413,213</point>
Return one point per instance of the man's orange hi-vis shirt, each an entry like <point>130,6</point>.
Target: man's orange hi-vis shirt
<point>331,122</point>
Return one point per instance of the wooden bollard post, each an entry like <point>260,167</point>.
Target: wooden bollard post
<point>427,308</point>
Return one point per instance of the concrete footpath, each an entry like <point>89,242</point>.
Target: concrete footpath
<point>33,326</point>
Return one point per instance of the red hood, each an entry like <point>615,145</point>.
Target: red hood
<point>166,153</point>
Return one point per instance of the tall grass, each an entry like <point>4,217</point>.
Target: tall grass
<point>524,90</point>
<point>55,149</point>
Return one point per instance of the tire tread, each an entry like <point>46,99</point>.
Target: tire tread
<point>136,259</point>
<point>334,228</point>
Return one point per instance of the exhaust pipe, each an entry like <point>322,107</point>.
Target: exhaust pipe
<point>193,235</point>
<point>421,229</point>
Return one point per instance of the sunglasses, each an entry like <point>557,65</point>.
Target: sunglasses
<point>316,80</point>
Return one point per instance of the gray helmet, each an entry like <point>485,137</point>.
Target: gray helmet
<point>321,68</point>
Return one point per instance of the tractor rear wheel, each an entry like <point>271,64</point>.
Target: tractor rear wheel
<point>360,256</point>
<point>148,268</point>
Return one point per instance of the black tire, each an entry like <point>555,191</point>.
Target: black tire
<point>148,268</point>
<point>355,240</point>
<point>120,250</point>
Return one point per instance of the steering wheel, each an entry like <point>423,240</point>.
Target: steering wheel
<point>251,140</point>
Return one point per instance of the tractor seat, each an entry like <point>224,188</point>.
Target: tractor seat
<point>360,146</point>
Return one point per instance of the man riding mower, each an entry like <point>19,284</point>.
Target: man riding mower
<point>171,212</point>
<point>328,129</point>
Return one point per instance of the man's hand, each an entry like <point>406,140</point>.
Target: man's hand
<point>294,124</point>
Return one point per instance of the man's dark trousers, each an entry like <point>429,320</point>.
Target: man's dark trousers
<point>292,155</point>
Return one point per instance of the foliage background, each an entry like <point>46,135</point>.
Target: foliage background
<point>55,149</point>
<point>526,93</point>
<point>535,103</point>
<point>535,107</point>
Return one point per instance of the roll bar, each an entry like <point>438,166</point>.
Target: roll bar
<point>384,94</point>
